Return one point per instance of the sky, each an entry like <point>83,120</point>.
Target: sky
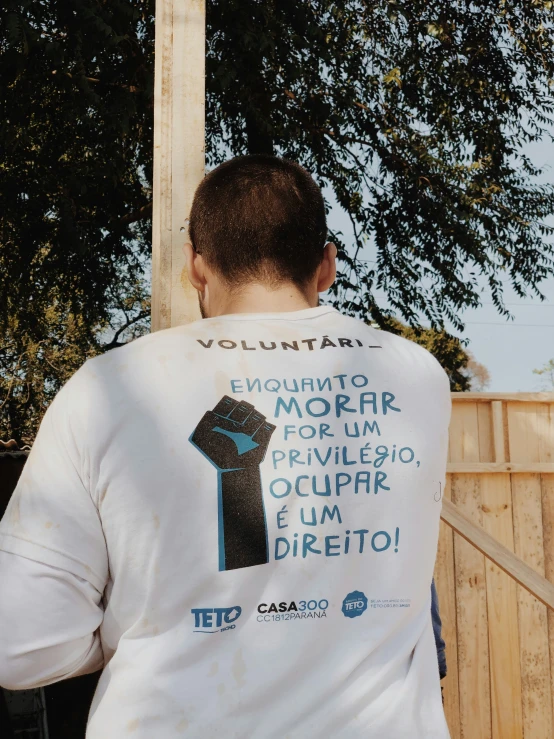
<point>509,349</point>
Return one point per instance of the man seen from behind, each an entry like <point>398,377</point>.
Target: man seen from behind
<point>237,519</point>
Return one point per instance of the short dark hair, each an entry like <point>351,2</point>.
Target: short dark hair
<point>259,218</point>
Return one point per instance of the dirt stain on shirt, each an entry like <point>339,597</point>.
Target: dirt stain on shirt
<point>133,725</point>
<point>182,725</point>
<point>14,512</point>
<point>213,669</point>
<point>239,668</point>
<point>222,383</point>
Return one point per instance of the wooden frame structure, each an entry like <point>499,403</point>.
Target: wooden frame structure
<point>500,638</point>
<point>514,566</point>
<point>179,100</point>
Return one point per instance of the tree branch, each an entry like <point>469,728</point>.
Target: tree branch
<point>114,343</point>
<point>137,215</point>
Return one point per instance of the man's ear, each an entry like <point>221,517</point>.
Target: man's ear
<point>195,268</point>
<point>328,268</point>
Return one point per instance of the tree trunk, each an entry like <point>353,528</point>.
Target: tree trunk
<point>259,141</point>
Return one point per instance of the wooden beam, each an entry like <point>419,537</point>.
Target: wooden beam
<point>498,431</point>
<point>179,94</point>
<point>499,554</point>
<point>512,397</point>
<point>545,468</point>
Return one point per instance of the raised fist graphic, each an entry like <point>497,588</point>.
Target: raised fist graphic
<point>234,437</point>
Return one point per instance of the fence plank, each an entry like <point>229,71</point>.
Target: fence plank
<point>464,434</point>
<point>545,432</point>
<point>499,449</point>
<point>471,608</point>
<point>502,608</point>
<point>546,454</point>
<point>548,531</point>
<point>485,429</point>
<point>446,589</point>
<point>471,599</point>
<point>523,428</point>
<point>496,506</point>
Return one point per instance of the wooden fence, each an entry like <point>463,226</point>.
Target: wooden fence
<point>500,640</point>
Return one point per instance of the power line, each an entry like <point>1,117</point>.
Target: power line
<point>513,305</point>
<point>534,305</point>
<point>516,325</point>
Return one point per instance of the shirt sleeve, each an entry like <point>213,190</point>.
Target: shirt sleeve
<point>49,624</point>
<point>51,517</point>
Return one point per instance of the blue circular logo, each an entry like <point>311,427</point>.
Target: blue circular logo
<point>354,604</point>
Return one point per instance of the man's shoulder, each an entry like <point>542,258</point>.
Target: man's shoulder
<point>141,349</point>
<point>104,380</point>
<point>395,344</point>
<point>406,346</point>
<point>415,362</point>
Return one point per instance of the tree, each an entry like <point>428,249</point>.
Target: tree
<point>463,370</point>
<point>546,373</point>
<point>76,138</point>
<point>478,375</point>
<point>412,113</point>
<point>32,370</point>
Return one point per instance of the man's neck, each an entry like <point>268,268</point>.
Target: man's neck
<point>256,298</point>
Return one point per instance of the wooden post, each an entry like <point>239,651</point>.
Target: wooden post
<point>179,104</point>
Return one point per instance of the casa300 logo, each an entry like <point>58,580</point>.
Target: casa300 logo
<point>354,604</point>
<point>212,620</point>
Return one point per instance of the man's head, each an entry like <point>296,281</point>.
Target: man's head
<point>258,222</point>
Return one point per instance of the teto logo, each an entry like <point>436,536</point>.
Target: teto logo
<point>354,604</point>
<point>212,620</point>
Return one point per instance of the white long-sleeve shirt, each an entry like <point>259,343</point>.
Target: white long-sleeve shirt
<point>238,520</point>
<point>50,624</point>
